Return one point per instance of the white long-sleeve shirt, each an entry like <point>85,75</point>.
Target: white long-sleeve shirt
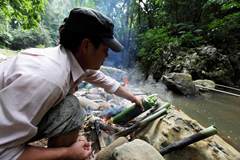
<point>30,84</point>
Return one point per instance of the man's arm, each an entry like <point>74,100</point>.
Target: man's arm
<point>124,93</point>
<point>110,85</point>
<point>79,150</point>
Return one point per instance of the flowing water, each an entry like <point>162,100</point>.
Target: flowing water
<point>221,110</point>
<point>210,108</point>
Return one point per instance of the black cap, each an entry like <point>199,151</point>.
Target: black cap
<point>90,22</point>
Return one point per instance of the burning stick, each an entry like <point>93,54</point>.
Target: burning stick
<point>92,130</point>
<point>108,128</point>
<point>100,139</point>
<point>142,123</point>
<point>205,133</point>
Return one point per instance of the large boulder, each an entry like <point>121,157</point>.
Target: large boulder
<point>180,83</point>
<point>136,150</point>
<point>176,125</point>
<point>235,59</point>
<point>205,83</point>
<point>107,152</point>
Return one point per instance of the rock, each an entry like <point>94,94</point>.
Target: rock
<point>235,59</point>
<point>210,63</point>
<point>115,73</point>
<point>161,133</point>
<point>95,97</point>
<point>205,83</point>
<point>205,62</point>
<point>106,153</point>
<point>180,83</point>
<point>136,150</point>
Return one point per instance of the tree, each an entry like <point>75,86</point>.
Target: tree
<point>25,13</point>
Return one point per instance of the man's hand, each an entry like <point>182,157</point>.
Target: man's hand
<point>138,102</point>
<point>81,149</point>
<point>123,92</point>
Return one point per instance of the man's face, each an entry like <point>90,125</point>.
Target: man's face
<point>93,58</point>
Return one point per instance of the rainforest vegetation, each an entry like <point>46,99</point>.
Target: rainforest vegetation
<point>200,37</point>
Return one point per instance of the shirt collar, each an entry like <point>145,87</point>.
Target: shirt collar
<point>75,69</point>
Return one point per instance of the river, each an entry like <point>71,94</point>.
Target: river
<point>221,110</point>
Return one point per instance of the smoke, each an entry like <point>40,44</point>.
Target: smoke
<point>140,86</point>
<point>122,15</point>
<point>112,111</point>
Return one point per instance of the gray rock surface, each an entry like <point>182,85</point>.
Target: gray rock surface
<point>180,83</point>
<point>136,150</point>
<point>176,126</point>
<point>205,83</point>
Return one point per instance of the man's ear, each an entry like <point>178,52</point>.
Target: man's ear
<point>85,45</point>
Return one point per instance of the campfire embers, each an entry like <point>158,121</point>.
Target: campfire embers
<point>102,131</point>
<point>110,112</point>
<point>98,131</point>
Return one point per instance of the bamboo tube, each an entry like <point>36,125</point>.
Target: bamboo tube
<point>220,91</point>
<point>205,133</point>
<point>141,123</point>
<point>232,88</point>
<point>133,111</point>
<point>154,110</point>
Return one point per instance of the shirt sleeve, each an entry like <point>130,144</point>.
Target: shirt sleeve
<point>99,79</point>
<point>23,102</point>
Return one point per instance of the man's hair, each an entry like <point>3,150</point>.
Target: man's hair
<point>71,40</point>
<point>88,23</point>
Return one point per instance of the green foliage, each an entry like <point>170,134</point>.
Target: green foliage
<point>224,32</point>
<point>19,23</point>
<point>8,52</point>
<point>5,39</point>
<point>56,11</point>
<point>230,4</point>
<point>25,13</point>
<point>188,39</point>
<point>29,38</point>
<point>4,34</point>
<point>152,44</point>
<point>170,28</point>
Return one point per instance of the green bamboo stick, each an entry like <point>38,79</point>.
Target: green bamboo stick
<point>133,111</point>
<point>142,123</point>
<point>205,133</point>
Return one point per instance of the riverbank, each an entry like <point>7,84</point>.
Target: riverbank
<point>174,126</point>
<point>209,108</point>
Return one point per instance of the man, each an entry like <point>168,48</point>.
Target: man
<point>36,89</point>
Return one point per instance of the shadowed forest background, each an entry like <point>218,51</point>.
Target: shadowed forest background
<point>200,37</point>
